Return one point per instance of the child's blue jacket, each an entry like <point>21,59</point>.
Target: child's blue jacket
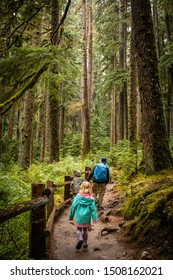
<point>83,208</point>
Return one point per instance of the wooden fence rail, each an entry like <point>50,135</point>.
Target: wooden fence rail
<point>18,208</point>
<point>43,212</point>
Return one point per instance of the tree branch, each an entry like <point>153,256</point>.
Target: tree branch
<point>61,21</point>
<point>26,23</point>
<point>4,107</point>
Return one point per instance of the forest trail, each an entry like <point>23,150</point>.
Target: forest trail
<point>102,245</point>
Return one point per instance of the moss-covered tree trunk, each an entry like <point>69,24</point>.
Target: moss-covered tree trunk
<point>26,131</point>
<point>90,50</point>
<point>133,91</point>
<point>44,127</point>
<point>1,129</point>
<point>85,149</point>
<point>54,94</point>
<point>122,122</point>
<point>11,121</point>
<point>113,132</point>
<point>54,128</point>
<point>158,38</point>
<point>168,11</point>
<point>156,151</point>
<point>62,116</point>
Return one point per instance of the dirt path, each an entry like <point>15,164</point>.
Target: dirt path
<point>106,246</point>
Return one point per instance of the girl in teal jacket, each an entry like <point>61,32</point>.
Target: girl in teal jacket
<point>83,208</point>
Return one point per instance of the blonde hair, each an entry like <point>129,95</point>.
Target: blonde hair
<point>85,188</point>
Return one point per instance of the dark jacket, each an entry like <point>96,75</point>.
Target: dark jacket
<point>91,175</point>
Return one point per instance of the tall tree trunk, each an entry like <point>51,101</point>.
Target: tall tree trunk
<point>156,27</point>
<point>1,133</point>
<point>26,132</point>
<point>169,113</point>
<point>11,122</point>
<point>156,151</point>
<point>133,90</point>
<point>62,117</point>
<point>55,21</point>
<point>45,128</point>
<point>170,101</point>
<point>113,108</point>
<point>84,90</point>
<point>27,135</point>
<point>54,128</point>
<point>54,96</point>
<point>139,116</point>
<point>89,40</point>
<point>122,122</point>
<point>42,131</point>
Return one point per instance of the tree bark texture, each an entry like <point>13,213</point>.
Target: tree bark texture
<point>54,128</point>
<point>156,27</point>
<point>89,39</point>
<point>133,91</point>
<point>85,110</point>
<point>113,107</point>
<point>55,21</point>
<point>122,123</point>
<point>169,113</point>
<point>62,116</point>
<point>26,131</point>
<point>1,133</point>
<point>170,102</point>
<point>11,121</point>
<point>54,94</point>
<point>156,151</point>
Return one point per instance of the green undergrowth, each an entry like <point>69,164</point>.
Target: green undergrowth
<point>15,188</point>
<point>148,210</point>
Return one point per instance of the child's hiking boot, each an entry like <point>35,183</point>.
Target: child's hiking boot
<point>79,244</point>
<point>85,246</point>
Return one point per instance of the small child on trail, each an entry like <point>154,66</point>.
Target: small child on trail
<point>84,208</point>
<point>76,183</point>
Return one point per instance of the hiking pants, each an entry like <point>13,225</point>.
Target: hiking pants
<point>82,234</point>
<point>98,191</point>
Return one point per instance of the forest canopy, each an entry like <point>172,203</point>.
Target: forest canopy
<point>81,76</point>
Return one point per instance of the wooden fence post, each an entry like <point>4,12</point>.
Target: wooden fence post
<point>37,242</point>
<point>87,171</point>
<point>67,187</point>
<point>50,204</point>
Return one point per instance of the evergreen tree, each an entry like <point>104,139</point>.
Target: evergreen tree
<point>156,151</point>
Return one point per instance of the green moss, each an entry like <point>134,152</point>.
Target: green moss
<point>149,211</point>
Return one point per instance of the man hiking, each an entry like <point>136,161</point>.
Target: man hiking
<point>100,176</point>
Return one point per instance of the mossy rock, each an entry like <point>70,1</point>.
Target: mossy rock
<point>149,212</point>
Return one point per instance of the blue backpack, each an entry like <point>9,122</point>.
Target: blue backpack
<point>100,173</point>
